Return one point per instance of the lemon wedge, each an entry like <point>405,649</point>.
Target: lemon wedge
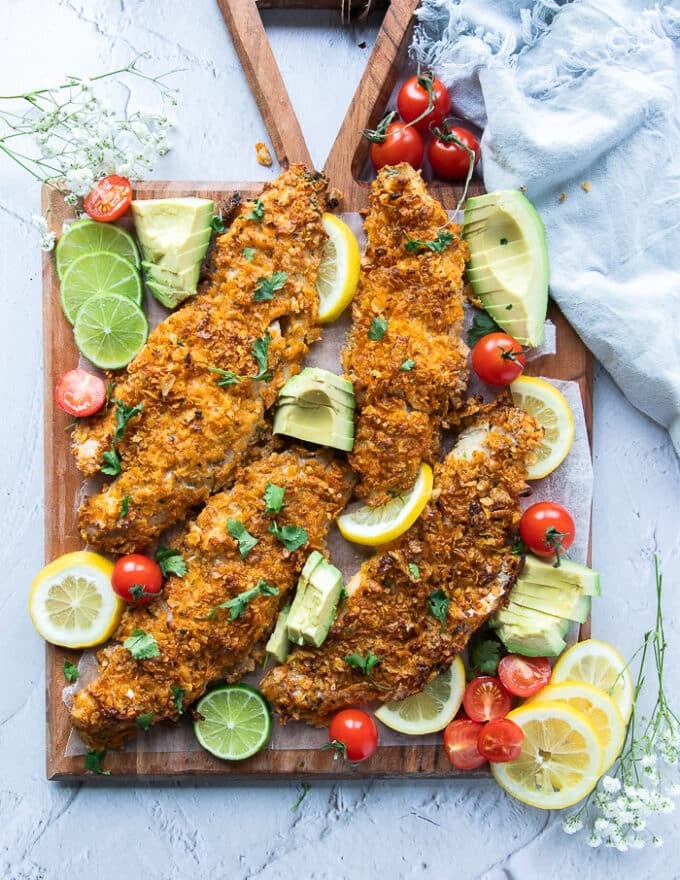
<point>338,275</point>
<point>561,758</point>
<point>601,665</point>
<point>378,525</point>
<point>600,709</point>
<point>432,709</point>
<point>72,602</point>
<point>550,408</point>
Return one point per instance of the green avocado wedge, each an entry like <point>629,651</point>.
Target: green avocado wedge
<point>508,267</point>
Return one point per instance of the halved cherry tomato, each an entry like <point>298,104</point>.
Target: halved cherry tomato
<point>402,143</point>
<point>485,698</point>
<point>109,199</point>
<point>460,742</point>
<point>137,579</point>
<point>80,393</point>
<point>354,734</point>
<point>498,359</point>
<point>524,676</point>
<point>547,529</point>
<point>500,741</point>
<point>414,99</point>
<point>450,160</point>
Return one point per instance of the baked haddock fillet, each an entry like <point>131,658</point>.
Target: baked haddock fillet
<point>192,431</point>
<point>410,381</point>
<point>461,546</point>
<point>198,642</point>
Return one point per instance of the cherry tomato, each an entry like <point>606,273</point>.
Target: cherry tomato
<point>80,393</point>
<point>498,359</point>
<point>500,741</point>
<point>547,529</point>
<point>485,698</point>
<point>137,579</point>
<point>460,742</point>
<point>448,159</point>
<point>414,99</point>
<point>354,734</point>
<point>109,199</point>
<point>524,676</point>
<point>401,144</point>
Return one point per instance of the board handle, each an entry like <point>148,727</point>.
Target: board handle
<point>254,51</point>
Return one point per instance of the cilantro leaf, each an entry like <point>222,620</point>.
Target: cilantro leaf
<point>93,761</point>
<point>170,561</point>
<point>408,365</point>
<point>70,671</point>
<point>124,507</point>
<point>437,245</point>
<point>240,533</point>
<point>414,571</point>
<point>218,224</point>
<point>111,464</point>
<point>137,592</point>
<point>377,329</point>
<point>257,211</point>
<point>305,787</point>
<point>364,664</point>
<point>438,604</point>
<point>144,720</point>
<point>248,253</point>
<point>273,498</point>
<point>177,696</point>
<point>266,287</point>
<point>141,645</point>
<point>238,604</point>
<point>123,415</point>
<point>260,353</point>
<point>291,537</point>
<point>485,655</point>
<point>482,325</point>
<point>228,377</point>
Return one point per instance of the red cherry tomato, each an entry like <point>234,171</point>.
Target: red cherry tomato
<point>354,734</point>
<point>80,393</point>
<point>414,99</point>
<point>449,160</point>
<point>401,144</point>
<point>485,698</point>
<point>460,742</point>
<point>500,741</point>
<point>498,359</point>
<point>547,529</point>
<point>524,676</point>
<point>137,579</point>
<point>109,199</point>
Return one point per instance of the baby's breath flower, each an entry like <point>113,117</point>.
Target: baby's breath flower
<point>610,784</point>
<point>657,841</point>
<point>648,760</point>
<point>47,237</point>
<point>572,824</point>
<point>593,840</point>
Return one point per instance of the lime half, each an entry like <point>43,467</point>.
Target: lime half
<point>235,722</point>
<point>87,236</point>
<point>110,329</point>
<point>98,272</point>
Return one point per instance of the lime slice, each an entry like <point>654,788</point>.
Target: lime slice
<point>87,236</point>
<point>551,409</point>
<point>338,275</point>
<point>432,709</point>
<point>110,330</point>
<point>235,722</point>
<point>95,273</point>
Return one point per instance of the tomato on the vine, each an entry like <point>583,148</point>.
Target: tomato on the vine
<point>354,734</point>
<point>460,742</point>
<point>109,199</point>
<point>524,676</point>
<point>500,741</point>
<point>498,359</point>
<point>485,698</point>
<point>137,579</point>
<point>417,94</point>
<point>395,142</point>
<point>80,393</point>
<point>448,155</point>
<point>547,529</point>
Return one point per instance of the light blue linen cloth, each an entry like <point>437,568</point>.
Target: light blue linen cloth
<point>576,92</point>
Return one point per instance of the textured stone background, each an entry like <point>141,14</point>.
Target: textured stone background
<point>466,830</point>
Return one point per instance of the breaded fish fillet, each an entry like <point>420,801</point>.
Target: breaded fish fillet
<point>198,641</point>
<point>464,566</point>
<point>404,355</point>
<point>195,424</point>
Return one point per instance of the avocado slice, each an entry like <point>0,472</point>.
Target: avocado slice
<point>530,619</point>
<point>315,603</point>
<point>279,643</point>
<point>541,643</point>
<point>325,377</point>
<point>509,267</point>
<point>317,406</point>
<point>568,572</point>
<point>575,607</point>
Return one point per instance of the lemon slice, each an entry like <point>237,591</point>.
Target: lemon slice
<point>600,709</point>
<point>601,665</point>
<point>378,525</point>
<point>550,408</point>
<point>338,275</point>
<point>430,710</point>
<point>72,603</point>
<point>561,758</point>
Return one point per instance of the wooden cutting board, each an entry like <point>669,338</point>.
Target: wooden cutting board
<point>63,482</point>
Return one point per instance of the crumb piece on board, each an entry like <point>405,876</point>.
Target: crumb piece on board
<point>523,188</point>
<point>563,197</point>
<point>334,198</point>
<point>264,157</point>
<point>472,297</point>
<point>585,186</point>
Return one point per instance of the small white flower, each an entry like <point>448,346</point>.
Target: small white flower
<point>638,824</point>
<point>593,840</point>
<point>47,237</point>
<point>611,784</point>
<point>657,841</point>
<point>674,789</point>
<point>635,842</point>
<point>71,199</point>
<point>572,824</point>
<point>648,760</point>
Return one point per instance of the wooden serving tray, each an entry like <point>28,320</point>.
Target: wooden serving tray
<point>63,482</point>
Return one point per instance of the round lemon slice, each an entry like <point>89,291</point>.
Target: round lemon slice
<point>432,709</point>
<point>550,408</point>
<point>601,665</point>
<point>378,525</point>
<point>72,603</point>
<point>561,758</point>
<point>338,275</point>
<point>600,709</point>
